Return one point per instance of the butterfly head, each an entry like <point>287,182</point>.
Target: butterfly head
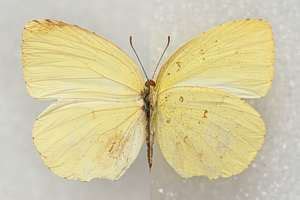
<point>150,83</point>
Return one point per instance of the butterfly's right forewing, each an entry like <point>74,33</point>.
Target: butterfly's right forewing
<point>236,57</point>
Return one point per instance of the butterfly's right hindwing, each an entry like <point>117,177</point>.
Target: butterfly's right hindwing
<point>207,132</point>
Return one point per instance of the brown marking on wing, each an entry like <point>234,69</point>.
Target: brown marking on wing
<point>44,26</point>
<point>205,114</point>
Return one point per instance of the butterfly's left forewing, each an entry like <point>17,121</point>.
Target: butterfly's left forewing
<point>63,61</point>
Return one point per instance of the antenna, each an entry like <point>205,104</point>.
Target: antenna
<point>162,55</point>
<point>131,44</point>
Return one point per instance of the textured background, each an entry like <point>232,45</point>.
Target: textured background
<point>273,175</point>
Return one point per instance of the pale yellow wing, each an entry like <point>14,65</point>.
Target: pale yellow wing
<point>96,128</point>
<point>89,139</point>
<point>65,61</point>
<point>206,132</point>
<point>236,57</point>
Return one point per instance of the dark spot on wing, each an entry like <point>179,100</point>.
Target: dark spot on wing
<point>185,139</point>
<point>111,147</point>
<point>178,66</point>
<point>94,114</point>
<point>205,114</point>
<point>181,99</point>
<point>166,98</point>
<point>202,51</point>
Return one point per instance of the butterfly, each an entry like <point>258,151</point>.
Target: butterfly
<point>105,108</point>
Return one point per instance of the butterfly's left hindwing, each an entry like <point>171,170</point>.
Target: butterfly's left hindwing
<point>88,139</point>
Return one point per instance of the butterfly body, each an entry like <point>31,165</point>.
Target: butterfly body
<point>149,104</point>
<point>105,111</point>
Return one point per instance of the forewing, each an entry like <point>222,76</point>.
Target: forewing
<point>65,61</point>
<point>89,139</point>
<point>206,132</point>
<point>237,57</point>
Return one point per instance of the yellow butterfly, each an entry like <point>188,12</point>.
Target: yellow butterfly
<point>106,108</point>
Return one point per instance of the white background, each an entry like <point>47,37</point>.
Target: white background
<point>273,175</point>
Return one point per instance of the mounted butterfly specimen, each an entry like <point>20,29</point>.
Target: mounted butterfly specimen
<point>106,109</point>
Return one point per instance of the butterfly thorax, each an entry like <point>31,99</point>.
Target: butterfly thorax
<point>148,109</point>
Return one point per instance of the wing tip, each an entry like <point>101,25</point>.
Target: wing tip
<point>41,26</point>
<point>43,22</point>
<point>258,20</point>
